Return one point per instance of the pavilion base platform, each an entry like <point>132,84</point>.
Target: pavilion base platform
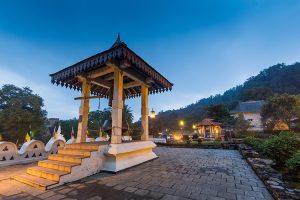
<point>80,160</point>
<point>125,155</point>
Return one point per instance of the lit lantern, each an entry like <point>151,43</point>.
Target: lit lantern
<point>152,114</point>
<point>181,123</point>
<point>194,126</point>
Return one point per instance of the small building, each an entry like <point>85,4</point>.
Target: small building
<point>251,110</point>
<point>208,128</point>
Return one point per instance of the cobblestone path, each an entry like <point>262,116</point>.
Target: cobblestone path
<point>178,173</point>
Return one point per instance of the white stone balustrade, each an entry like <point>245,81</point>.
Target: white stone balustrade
<point>31,151</point>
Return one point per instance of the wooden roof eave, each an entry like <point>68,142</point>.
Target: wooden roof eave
<point>121,51</point>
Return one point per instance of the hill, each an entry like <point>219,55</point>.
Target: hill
<point>278,79</point>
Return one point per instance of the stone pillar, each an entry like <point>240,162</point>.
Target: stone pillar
<point>144,113</point>
<point>83,110</point>
<point>117,107</point>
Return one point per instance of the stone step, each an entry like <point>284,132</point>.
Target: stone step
<point>34,181</point>
<point>83,146</point>
<point>57,165</point>
<point>49,174</point>
<point>81,152</point>
<point>67,158</point>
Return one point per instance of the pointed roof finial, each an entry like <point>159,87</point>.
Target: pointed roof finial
<point>117,42</point>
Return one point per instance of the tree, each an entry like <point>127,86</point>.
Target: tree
<point>67,125</point>
<point>241,125</point>
<point>256,93</point>
<point>96,120</point>
<point>127,116</point>
<point>220,114</point>
<point>280,109</point>
<point>19,109</point>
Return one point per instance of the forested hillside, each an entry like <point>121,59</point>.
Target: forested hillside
<point>279,79</point>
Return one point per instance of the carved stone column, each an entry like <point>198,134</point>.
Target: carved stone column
<point>144,113</point>
<point>83,110</point>
<point>117,107</point>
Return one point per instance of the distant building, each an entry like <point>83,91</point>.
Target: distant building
<point>51,122</point>
<point>251,110</point>
<point>208,128</point>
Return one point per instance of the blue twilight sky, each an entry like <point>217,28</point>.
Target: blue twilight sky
<point>203,46</point>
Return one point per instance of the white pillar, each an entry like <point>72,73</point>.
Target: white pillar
<point>83,110</point>
<point>117,107</point>
<point>144,112</point>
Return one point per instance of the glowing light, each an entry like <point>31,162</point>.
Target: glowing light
<point>181,123</point>
<point>177,137</point>
<point>194,126</point>
<point>152,114</point>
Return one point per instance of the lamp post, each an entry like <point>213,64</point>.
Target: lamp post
<point>181,124</point>
<point>194,128</point>
<point>152,114</point>
<point>152,117</point>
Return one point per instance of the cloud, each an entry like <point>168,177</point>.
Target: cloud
<point>57,101</point>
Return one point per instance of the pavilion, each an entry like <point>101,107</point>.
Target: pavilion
<point>209,129</point>
<point>116,74</point>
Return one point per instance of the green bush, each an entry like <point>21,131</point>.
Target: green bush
<point>281,148</point>
<point>256,143</point>
<point>294,163</point>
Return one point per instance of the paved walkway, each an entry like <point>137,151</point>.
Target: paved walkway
<point>178,173</point>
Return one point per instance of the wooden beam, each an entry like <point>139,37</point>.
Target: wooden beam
<point>109,78</point>
<point>101,82</point>
<point>132,84</point>
<point>92,97</point>
<point>100,72</point>
<point>128,71</point>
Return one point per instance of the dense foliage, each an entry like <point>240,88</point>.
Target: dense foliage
<point>19,109</point>
<point>280,148</point>
<point>241,126</point>
<point>277,79</point>
<point>294,162</point>
<point>219,113</point>
<point>97,119</point>
<point>280,109</point>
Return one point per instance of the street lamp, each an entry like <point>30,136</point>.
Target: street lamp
<point>152,114</point>
<point>152,117</point>
<point>181,123</point>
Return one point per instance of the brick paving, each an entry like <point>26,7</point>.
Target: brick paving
<point>178,173</point>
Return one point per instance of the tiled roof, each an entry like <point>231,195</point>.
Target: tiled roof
<point>208,122</point>
<point>116,54</point>
<point>249,106</point>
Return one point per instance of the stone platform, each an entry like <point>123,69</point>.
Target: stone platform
<point>178,173</point>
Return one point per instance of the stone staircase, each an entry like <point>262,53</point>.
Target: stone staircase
<point>72,163</point>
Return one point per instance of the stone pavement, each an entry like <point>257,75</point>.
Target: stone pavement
<point>178,173</point>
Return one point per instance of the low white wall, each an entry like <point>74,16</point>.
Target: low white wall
<point>158,140</point>
<point>31,151</point>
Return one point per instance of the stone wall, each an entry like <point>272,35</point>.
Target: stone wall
<point>271,178</point>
